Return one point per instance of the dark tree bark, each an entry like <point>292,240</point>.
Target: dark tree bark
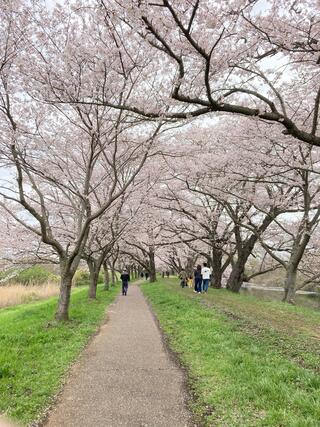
<point>106,276</point>
<point>135,272</point>
<point>113,273</point>
<point>290,284</point>
<point>62,311</point>
<point>94,269</point>
<point>244,249</point>
<point>292,266</point>
<point>152,266</point>
<point>235,279</point>
<point>217,269</point>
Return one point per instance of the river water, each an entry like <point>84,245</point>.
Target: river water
<point>303,298</point>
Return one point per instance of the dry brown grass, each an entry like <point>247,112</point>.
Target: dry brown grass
<point>15,294</point>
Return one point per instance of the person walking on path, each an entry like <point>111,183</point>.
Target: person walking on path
<point>198,279</point>
<point>125,278</point>
<point>206,273</point>
<point>183,278</point>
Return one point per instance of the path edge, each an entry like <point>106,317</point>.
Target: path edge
<point>188,393</point>
<point>43,417</point>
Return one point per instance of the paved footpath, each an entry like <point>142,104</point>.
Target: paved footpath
<point>125,376</point>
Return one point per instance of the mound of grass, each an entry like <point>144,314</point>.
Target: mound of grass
<point>238,376</point>
<point>35,352</point>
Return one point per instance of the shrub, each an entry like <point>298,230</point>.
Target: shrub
<point>101,276</point>
<point>36,274</point>
<point>81,278</point>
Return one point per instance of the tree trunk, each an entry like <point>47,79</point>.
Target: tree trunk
<point>62,312</point>
<point>94,275</point>
<point>106,276</point>
<point>153,276</point>
<point>290,284</point>
<point>139,268</point>
<point>235,279</point>
<point>297,252</point>
<point>113,275</point>
<point>216,280</point>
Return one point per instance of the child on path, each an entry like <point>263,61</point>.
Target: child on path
<point>190,282</point>
<point>125,278</point>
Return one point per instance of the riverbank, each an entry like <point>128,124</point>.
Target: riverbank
<point>309,299</point>
<point>250,362</point>
<point>36,352</point>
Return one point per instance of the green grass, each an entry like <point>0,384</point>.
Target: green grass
<point>239,375</point>
<point>35,352</point>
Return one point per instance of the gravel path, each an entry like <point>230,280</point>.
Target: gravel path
<point>125,377</point>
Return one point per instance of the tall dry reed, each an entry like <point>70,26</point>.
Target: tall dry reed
<point>15,293</point>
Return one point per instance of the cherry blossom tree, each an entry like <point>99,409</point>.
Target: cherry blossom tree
<point>91,93</point>
<point>249,188</point>
<point>141,239</point>
<point>19,247</point>
<point>200,223</point>
<point>177,257</point>
<point>146,232</point>
<point>309,266</point>
<point>237,57</point>
<point>58,156</point>
<point>105,233</point>
<point>296,233</point>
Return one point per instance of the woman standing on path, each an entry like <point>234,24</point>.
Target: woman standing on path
<point>125,278</point>
<point>206,273</point>
<point>197,279</point>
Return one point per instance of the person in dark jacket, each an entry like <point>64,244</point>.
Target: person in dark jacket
<point>198,279</point>
<point>125,278</point>
<point>183,278</point>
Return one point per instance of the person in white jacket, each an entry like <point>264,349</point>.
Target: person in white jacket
<point>206,273</point>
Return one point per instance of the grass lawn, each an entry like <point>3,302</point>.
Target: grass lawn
<point>35,352</point>
<point>246,365</point>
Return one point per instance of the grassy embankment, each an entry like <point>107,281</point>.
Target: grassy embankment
<point>35,352</point>
<point>250,362</point>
